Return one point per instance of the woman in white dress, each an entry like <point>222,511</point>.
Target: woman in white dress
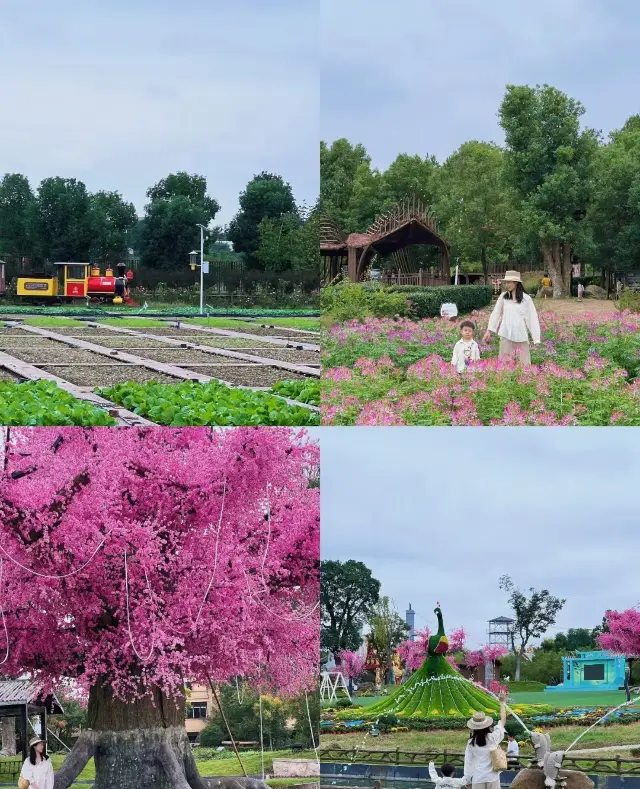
<point>484,738</point>
<point>513,319</point>
<point>37,768</point>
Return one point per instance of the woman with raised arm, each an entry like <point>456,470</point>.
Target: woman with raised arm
<point>479,766</point>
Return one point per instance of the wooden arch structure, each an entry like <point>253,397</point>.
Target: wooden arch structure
<point>408,224</point>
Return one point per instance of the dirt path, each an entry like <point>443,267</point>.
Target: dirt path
<point>569,307</point>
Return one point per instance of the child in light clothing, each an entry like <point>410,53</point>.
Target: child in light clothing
<point>513,749</point>
<point>466,350</point>
<point>447,781</point>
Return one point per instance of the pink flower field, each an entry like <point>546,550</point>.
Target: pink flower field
<point>398,372</point>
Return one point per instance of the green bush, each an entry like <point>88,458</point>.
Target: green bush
<point>352,301</point>
<point>212,736</point>
<point>388,722</point>
<point>629,300</point>
<point>426,302</point>
<point>343,703</point>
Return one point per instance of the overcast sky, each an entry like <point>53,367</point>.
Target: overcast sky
<point>439,514</point>
<point>424,76</point>
<point>120,94</point>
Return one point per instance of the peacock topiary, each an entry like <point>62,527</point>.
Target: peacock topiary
<point>436,689</point>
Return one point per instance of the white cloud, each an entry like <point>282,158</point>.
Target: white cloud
<point>441,514</point>
<point>121,95</point>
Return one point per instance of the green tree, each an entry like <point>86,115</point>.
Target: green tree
<point>60,221</point>
<point>348,592</point>
<point>472,204</point>
<point>170,232</point>
<point>192,187</point>
<point>613,216</point>
<point>409,176</point>
<point>533,615</point>
<point>547,165</point>
<point>112,219</point>
<point>544,666</point>
<point>574,640</point>
<point>290,242</point>
<point>339,164</point>
<point>16,201</point>
<point>388,631</point>
<point>267,196</point>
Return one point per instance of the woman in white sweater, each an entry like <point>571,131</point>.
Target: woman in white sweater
<point>513,319</point>
<point>37,770</point>
<point>484,738</point>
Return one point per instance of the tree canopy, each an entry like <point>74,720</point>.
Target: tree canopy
<point>551,195</point>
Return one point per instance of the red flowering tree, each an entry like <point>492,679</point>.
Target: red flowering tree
<point>133,559</point>
<point>623,634</point>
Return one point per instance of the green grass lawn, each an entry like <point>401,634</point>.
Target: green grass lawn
<point>310,324</point>
<point>559,700</point>
<point>561,737</point>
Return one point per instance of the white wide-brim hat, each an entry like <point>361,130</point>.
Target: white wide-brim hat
<point>479,721</point>
<point>35,741</point>
<point>512,276</point>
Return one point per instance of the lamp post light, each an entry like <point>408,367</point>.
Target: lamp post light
<point>193,264</point>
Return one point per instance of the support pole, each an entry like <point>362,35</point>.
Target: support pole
<point>226,723</point>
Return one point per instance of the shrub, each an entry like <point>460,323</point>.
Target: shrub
<point>426,302</point>
<point>344,703</point>
<point>388,722</point>
<point>212,736</point>
<point>351,301</point>
<point>629,300</point>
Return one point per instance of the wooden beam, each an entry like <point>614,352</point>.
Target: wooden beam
<point>32,373</point>
<point>301,346</point>
<point>295,368</point>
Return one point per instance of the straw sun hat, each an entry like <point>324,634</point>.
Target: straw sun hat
<point>480,720</point>
<point>512,276</point>
<point>35,741</point>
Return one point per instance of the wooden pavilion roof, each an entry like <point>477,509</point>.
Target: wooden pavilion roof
<point>410,222</point>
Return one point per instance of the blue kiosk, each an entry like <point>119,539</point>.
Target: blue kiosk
<point>590,671</point>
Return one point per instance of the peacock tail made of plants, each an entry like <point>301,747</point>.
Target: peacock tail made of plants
<point>436,690</point>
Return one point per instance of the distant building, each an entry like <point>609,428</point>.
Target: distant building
<point>598,670</point>
<point>200,705</point>
<point>410,619</point>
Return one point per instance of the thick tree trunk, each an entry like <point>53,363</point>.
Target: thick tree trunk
<point>557,262</point>
<point>141,744</point>
<point>8,736</point>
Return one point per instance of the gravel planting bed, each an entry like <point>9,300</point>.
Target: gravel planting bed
<point>257,375</point>
<point>288,355</point>
<point>107,376</point>
<point>120,341</point>
<point>7,375</point>
<point>182,356</point>
<point>222,342</point>
<point>58,353</point>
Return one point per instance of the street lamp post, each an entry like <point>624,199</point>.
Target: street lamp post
<point>202,229</point>
<point>193,262</point>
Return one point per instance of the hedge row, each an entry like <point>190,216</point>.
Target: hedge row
<point>426,302</point>
<point>430,724</point>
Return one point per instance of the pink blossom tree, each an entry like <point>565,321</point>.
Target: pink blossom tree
<point>133,559</point>
<point>457,639</point>
<point>623,635</point>
<point>351,665</point>
<point>414,653</point>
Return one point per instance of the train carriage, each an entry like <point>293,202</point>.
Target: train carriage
<point>77,282</point>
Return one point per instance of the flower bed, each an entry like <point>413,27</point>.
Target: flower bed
<point>398,372</point>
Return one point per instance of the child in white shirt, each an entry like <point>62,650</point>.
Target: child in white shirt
<point>447,781</point>
<point>466,350</point>
<point>513,749</point>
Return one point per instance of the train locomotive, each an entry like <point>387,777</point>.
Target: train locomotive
<point>77,282</point>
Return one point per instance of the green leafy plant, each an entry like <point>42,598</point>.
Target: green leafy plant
<point>349,301</point>
<point>304,391</point>
<point>213,403</point>
<point>41,403</point>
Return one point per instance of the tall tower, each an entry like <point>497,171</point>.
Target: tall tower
<point>410,619</point>
<point>500,633</point>
<point>501,630</point>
